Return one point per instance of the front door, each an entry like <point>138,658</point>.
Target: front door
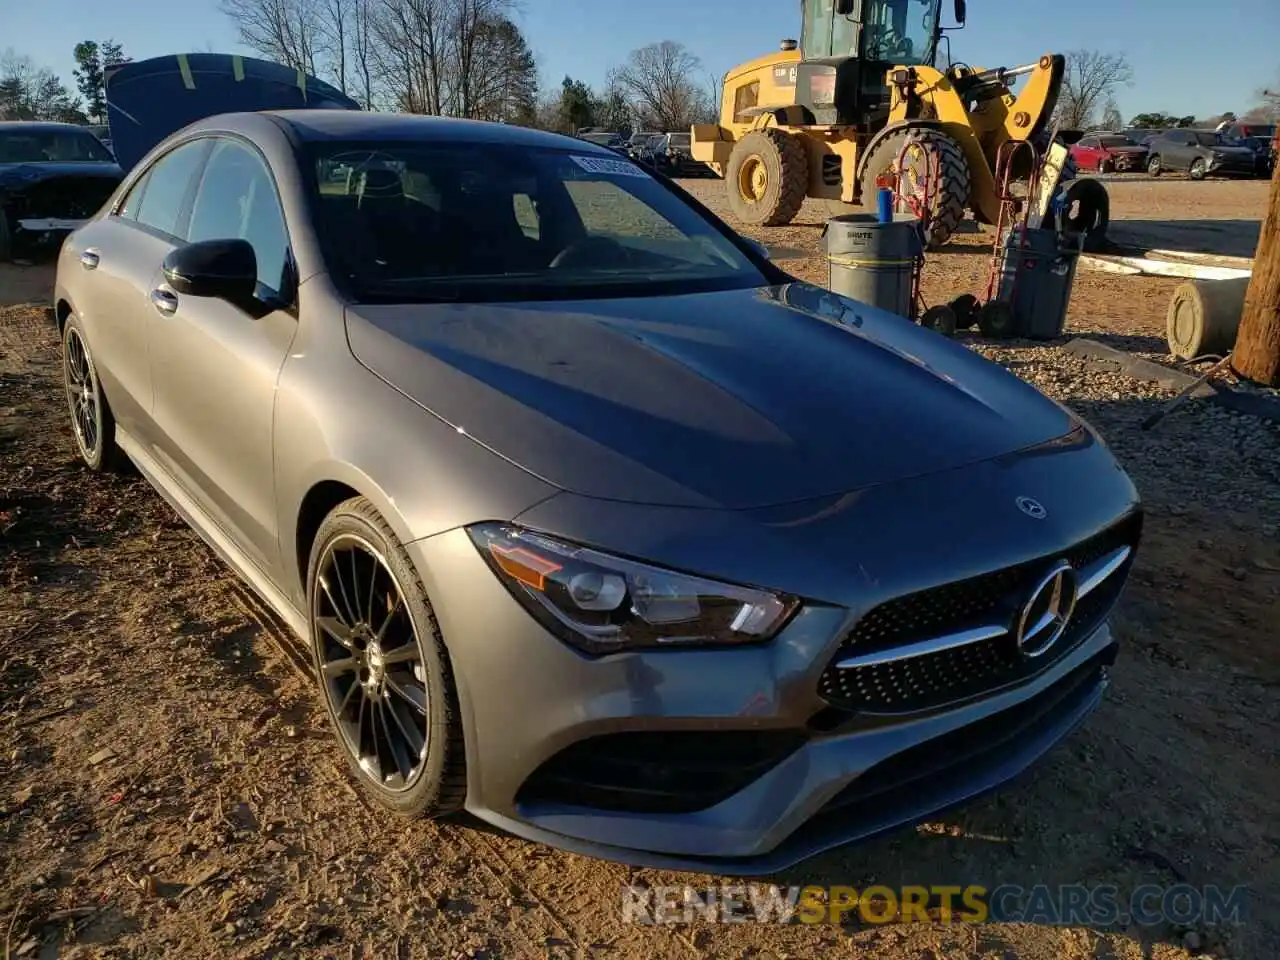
<point>215,364</point>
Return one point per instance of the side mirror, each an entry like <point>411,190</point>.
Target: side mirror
<point>225,269</point>
<point>758,247</point>
<point>960,12</point>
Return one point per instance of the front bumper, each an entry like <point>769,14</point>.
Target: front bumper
<point>810,777</point>
<point>1233,167</point>
<point>1125,162</point>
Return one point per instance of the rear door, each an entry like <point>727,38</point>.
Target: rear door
<point>1181,150</point>
<point>116,259</point>
<point>215,364</point>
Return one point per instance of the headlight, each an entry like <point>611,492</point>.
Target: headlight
<point>605,604</point>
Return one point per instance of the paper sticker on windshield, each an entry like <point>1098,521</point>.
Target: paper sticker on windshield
<point>618,168</point>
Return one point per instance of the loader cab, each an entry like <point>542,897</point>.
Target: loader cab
<point>847,47</point>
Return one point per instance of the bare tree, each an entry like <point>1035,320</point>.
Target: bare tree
<point>332,32</point>
<point>287,31</point>
<point>1090,80</point>
<point>362,55</point>
<point>412,38</point>
<point>662,82</point>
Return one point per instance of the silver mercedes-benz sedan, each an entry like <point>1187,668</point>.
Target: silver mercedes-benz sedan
<point>598,524</point>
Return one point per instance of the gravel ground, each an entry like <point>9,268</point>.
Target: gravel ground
<point>219,821</point>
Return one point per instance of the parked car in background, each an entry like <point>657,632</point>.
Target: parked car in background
<point>610,141</point>
<point>1107,152</point>
<point>53,177</point>
<point>597,524</point>
<point>102,131</point>
<point>1199,154</point>
<point>637,143</point>
<point>1262,139</point>
<point>671,154</point>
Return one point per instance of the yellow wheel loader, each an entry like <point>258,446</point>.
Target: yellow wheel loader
<point>831,118</point>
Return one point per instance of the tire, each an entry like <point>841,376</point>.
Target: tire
<point>92,424</point>
<point>1154,166</point>
<point>1106,165</point>
<point>965,309</point>
<point>767,178</point>
<point>1088,212</point>
<point>6,241</point>
<point>354,529</point>
<point>949,205</point>
<point>940,319</point>
<point>1198,170</point>
<point>995,320</point>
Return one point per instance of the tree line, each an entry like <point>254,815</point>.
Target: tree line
<point>1092,78</point>
<point>32,92</point>
<point>466,58</point>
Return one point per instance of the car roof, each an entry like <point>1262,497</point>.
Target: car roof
<point>41,126</point>
<point>322,125</point>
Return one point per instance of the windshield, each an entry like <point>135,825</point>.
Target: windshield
<point>51,146</point>
<point>1116,142</point>
<point>1210,139</point>
<point>475,222</point>
<point>900,31</point>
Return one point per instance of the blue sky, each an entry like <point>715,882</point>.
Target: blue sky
<point>1188,56</point>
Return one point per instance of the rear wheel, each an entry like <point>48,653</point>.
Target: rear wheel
<point>950,196</point>
<point>385,677</point>
<point>1198,170</point>
<point>767,178</point>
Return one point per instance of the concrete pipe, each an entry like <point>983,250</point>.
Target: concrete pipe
<point>1204,316</point>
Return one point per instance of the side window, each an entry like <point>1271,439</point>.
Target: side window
<point>128,209</point>
<point>1089,141</point>
<point>605,208</point>
<point>167,181</point>
<point>237,199</point>
<point>744,98</point>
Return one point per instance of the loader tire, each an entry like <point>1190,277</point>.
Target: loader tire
<point>767,178</point>
<point>952,197</point>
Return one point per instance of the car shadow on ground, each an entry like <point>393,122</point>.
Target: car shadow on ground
<point>1223,238</point>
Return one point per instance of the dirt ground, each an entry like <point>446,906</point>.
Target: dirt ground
<point>168,787</point>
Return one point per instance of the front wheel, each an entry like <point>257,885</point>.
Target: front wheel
<point>922,151</point>
<point>92,424</point>
<point>385,676</point>
<point>1198,170</point>
<point>767,178</point>
<point>1154,167</point>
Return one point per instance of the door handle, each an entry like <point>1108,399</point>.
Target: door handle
<point>164,301</point>
<point>89,259</point>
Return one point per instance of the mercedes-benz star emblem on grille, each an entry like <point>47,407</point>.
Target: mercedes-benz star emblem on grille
<point>1048,611</point>
<point>1032,508</point>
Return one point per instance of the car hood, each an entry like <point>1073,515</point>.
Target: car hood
<point>149,99</point>
<point>732,399</point>
<point>20,176</point>
<point>1132,149</point>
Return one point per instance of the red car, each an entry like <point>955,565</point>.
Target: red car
<point>1105,152</point>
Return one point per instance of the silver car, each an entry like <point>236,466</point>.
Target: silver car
<point>597,523</point>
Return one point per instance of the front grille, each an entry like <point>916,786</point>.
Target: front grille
<point>962,754</point>
<point>923,682</point>
<point>669,772</point>
<point>70,198</point>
